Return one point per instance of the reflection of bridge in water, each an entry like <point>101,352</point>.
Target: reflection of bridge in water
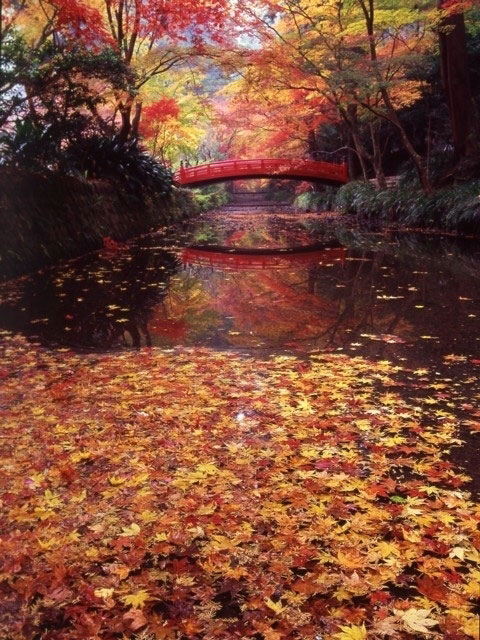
<point>237,259</point>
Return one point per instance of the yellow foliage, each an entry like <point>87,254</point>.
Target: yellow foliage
<point>353,632</point>
<point>137,599</point>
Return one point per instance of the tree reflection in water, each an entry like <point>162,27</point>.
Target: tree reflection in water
<point>366,294</point>
<point>102,301</point>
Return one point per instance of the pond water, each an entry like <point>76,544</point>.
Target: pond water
<point>266,283</point>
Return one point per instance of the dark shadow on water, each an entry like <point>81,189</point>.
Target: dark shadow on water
<point>99,302</point>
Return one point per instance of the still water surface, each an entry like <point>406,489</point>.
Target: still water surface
<point>266,283</point>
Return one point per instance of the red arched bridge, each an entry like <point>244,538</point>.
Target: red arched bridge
<point>299,169</point>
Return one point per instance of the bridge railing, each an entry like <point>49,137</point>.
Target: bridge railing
<point>263,166</point>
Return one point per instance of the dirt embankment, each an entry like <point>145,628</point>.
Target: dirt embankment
<point>45,219</point>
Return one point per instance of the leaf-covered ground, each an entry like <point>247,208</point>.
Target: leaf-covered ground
<point>195,494</point>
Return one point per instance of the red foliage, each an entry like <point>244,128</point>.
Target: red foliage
<point>157,113</point>
<point>78,21</point>
<point>111,245</point>
<point>188,20</point>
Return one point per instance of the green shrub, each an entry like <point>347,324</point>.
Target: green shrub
<point>210,198</point>
<point>123,162</point>
<point>455,208</point>
<point>316,200</point>
<point>355,197</point>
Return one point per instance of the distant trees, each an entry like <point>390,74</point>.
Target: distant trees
<point>300,77</point>
<point>153,38</point>
<point>361,63</point>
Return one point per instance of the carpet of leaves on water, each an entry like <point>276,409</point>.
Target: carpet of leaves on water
<point>197,494</point>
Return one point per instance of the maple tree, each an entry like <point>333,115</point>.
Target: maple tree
<point>59,20</point>
<point>346,59</point>
<point>148,40</point>
<point>177,115</point>
<point>155,39</point>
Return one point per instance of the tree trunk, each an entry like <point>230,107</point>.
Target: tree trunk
<point>360,154</point>
<point>415,157</point>
<point>136,120</point>
<point>125,113</point>
<point>377,155</point>
<point>456,84</point>
<point>391,113</point>
<point>312,144</point>
<point>350,117</point>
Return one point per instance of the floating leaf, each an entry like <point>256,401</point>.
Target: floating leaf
<point>417,619</point>
<point>353,632</point>
<point>137,599</point>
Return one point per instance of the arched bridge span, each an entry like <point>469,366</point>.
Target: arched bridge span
<point>291,168</point>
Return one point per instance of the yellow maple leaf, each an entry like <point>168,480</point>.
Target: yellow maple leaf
<point>457,552</point>
<point>223,543</point>
<point>197,532</point>
<point>141,478</point>
<point>80,456</point>
<point>104,593</point>
<point>236,572</point>
<point>186,581</point>
<point>161,537</point>
<point>45,545</point>
<point>43,514</point>
<point>116,480</point>
<point>51,499</point>
<point>208,468</point>
<point>470,627</point>
<point>310,452</point>
<point>79,497</point>
<point>137,599</point>
<point>417,619</point>
<point>73,536</point>
<point>473,555</point>
<point>274,606</point>
<point>131,530</point>
<point>353,632</point>
<point>351,559</point>
<point>148,516</point>
<point>388,549</point>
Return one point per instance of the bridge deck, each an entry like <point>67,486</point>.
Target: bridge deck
<point>263,168</point>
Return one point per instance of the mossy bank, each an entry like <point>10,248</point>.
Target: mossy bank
<point>47,218</point>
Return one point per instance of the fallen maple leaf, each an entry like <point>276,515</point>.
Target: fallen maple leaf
<point>131,530</point>
<point>433,588</point>
<point>104,593</point>
<point>135,618</point>
<point>274,606</point>
<point>137,599</point>
<point>417,619</point>
<point>354,632</point>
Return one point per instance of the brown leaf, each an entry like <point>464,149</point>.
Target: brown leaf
<point>135,619</point>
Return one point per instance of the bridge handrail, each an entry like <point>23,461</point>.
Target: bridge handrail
<point>300,162</point>
<point>284,165</point>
